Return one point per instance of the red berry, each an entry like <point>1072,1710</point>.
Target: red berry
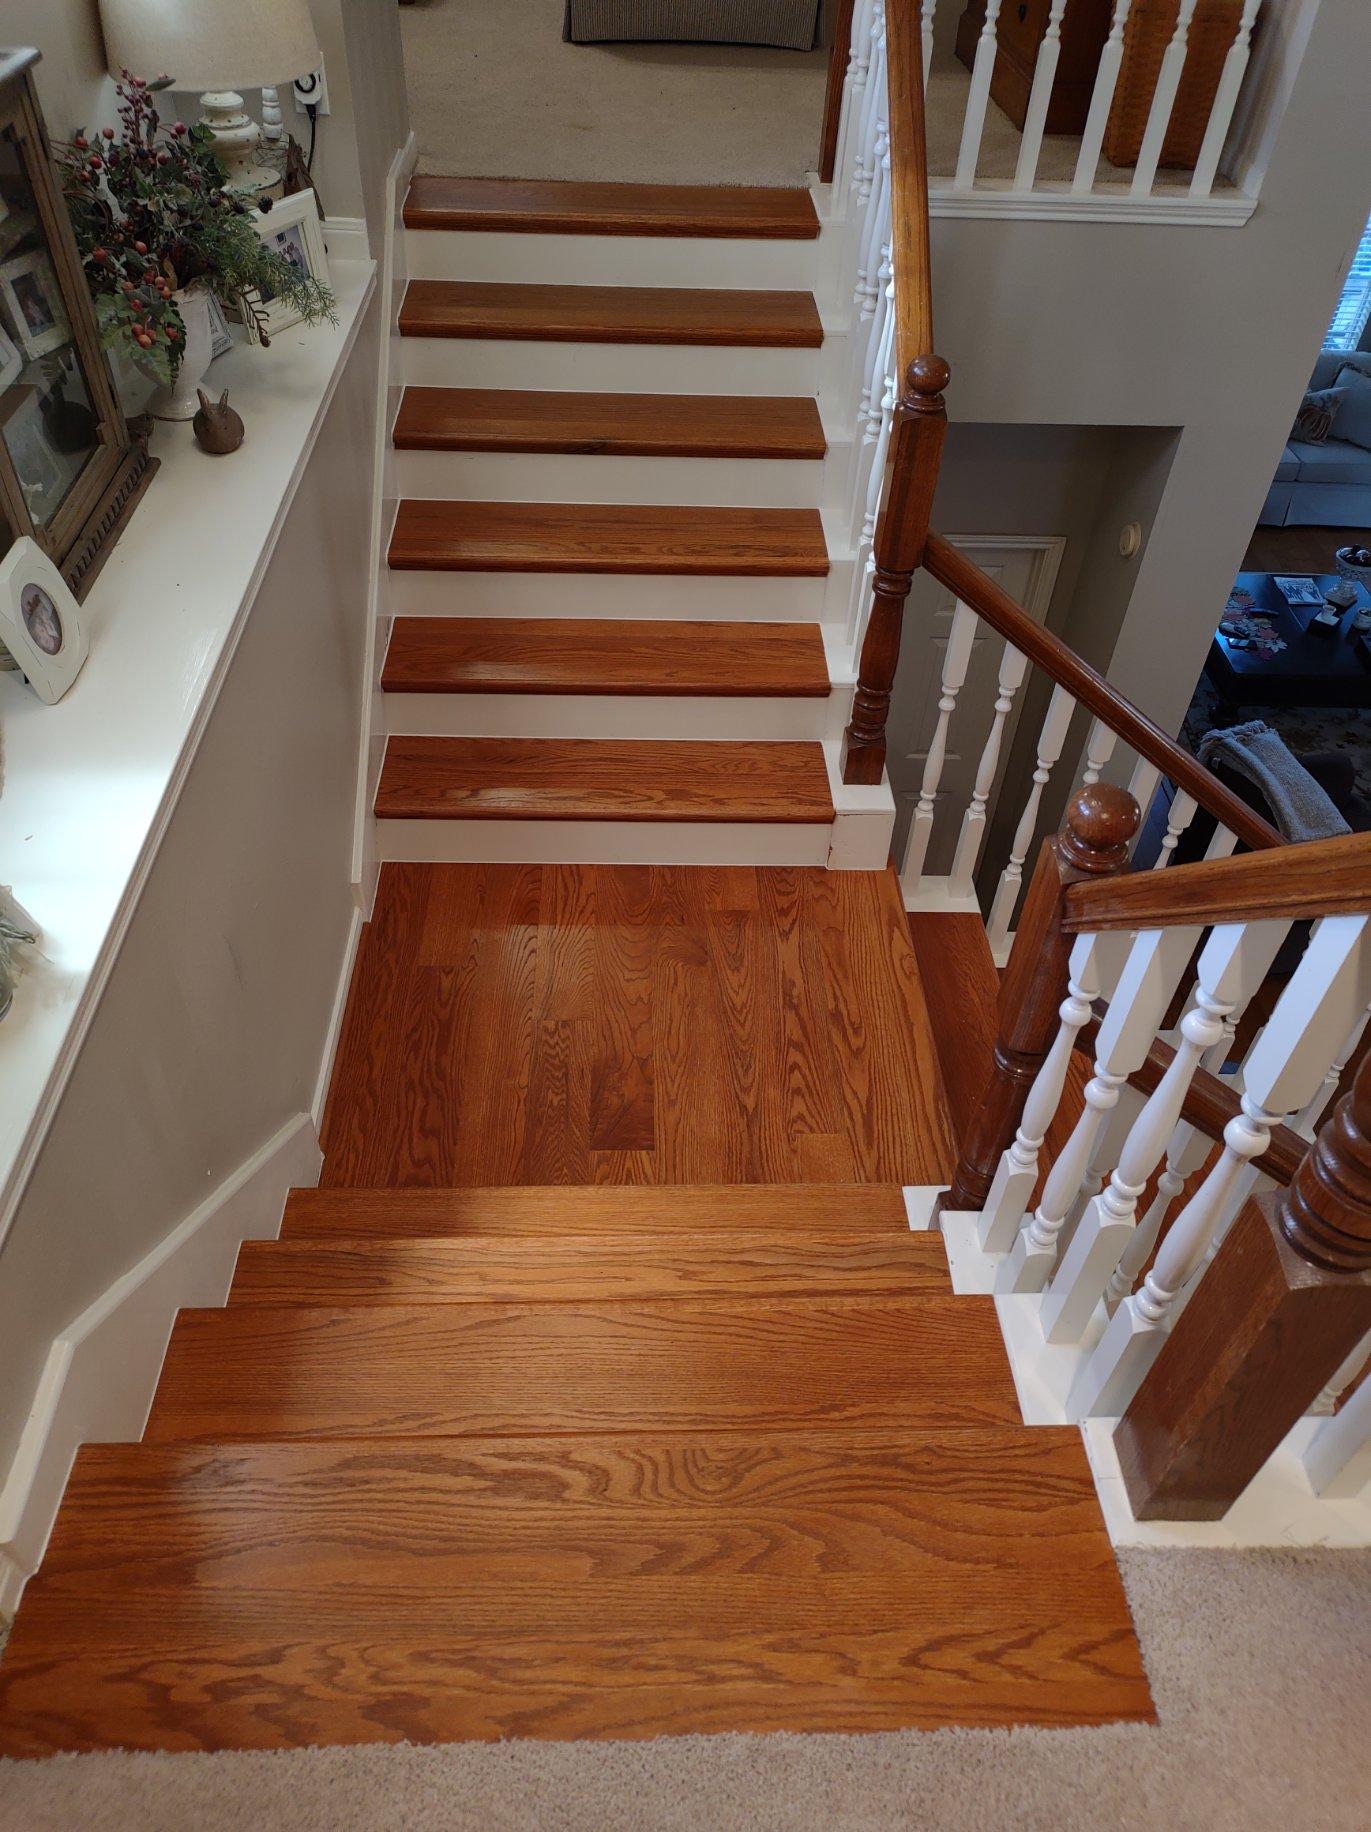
<point>172,333</point>
<point>80,143</point>
<point>140,247</point>
<point>107,133</point>
<point>99,254</point>
<point>97,165</point>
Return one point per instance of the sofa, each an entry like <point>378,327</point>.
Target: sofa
<point>1328,485</point>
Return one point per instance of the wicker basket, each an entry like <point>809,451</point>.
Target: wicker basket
<point>1150,28</point>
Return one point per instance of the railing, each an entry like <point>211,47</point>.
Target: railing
<point>1281,1315</point>
<point>1135,145</point>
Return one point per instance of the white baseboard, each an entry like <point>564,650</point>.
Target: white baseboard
<point>346,238</point>
<point>360,915</point>
<point>102,1372</point>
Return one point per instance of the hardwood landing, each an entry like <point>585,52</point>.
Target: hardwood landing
<point>635,1025</point>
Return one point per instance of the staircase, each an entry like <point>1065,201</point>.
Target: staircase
<point>613,592</point>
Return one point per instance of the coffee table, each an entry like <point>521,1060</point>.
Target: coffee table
<point>1314,668</point>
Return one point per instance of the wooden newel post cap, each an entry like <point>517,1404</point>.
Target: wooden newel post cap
<point>1100,821</point>
<point>928,375</point>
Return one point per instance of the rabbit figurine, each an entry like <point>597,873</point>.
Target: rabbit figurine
<point>217,428</point>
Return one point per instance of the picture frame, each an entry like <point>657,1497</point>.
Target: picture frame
<point>11,360</point>
<point>32,301</point>
<point>293,228</point>
<point>220,336</point>
<point>35,463</point>
<point>41,624</point>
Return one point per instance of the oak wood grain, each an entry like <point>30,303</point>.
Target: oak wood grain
<point>734,316</point>
<point>839,52</point>
<point>531,1212</point>
<point>598,779</point>
<point>550,206</point>
<point>437,535</point>
<point>592,655</point>
<point>571,1267</point>
<point>756,1364</point>
<point>962,987</point>
<point>608,425</point>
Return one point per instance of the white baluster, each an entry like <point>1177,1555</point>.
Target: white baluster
<point>1282,1071</point>
<point>1337,1459</point>
<point>867,425</point>
<point>854,94</point>
<point>1099,748</point>
<point>927,11</point>
<point>1013,667</point>
<point>1142,786</point>
<point>1035,120</point>
<point>1232,965</point>
<point>1225,101</point>
<point>1101,101</point>
<point>1163,101</point>
<point>1223,845</point>
<point>1028,1264</point>
<point>1185,1155</point>
<point>1017,1170</point>
<point>977,99</point>
<point>865,568</point>
<point>1183,808</point>
<point>1328,1400</point>
<point>956,658</point>
<point>1306,1121</point>
<point>1050,741</point>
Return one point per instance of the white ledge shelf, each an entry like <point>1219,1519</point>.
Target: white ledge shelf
<point>90,784</point>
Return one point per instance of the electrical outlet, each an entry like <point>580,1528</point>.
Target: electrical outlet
<point>311,91</point>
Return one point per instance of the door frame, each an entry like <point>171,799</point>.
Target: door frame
<point>1049,551</point>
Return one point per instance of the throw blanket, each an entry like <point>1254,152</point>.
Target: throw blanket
<point>1299,807</point>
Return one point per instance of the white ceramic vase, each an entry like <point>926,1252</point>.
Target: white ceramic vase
<point>180,401</point>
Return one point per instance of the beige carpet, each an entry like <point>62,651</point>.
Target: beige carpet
<point>1260,1664</point>
<point>495,93</point>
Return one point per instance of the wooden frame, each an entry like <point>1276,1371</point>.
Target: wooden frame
<point>299,211</point>
<point>78,535</point>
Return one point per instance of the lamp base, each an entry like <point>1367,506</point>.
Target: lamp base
<point>237,142</point>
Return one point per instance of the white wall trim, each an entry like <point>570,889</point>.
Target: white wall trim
<point>101,1373</point>
<point>336,1016</point>
<point>1221,210</point>
<point>346,239</point>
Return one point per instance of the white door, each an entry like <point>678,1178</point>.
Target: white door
<point>1026,569</point>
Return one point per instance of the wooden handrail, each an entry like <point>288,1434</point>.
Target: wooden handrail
<point>838,55</point>
<point>910,259</point>
<point>1318,878</point>
<point>994,606</point>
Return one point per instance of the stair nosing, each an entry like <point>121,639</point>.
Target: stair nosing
<point>809,336</point>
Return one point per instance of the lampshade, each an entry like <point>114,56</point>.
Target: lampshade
<point>210,44</point>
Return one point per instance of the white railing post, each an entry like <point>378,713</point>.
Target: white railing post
<point>1181,814</point>
<point>1163,101</point>
<point>1185,1155</point>
<point>854,94</point>
<point>1035,119</point>
<point>1101,101</point>
<point>1225,101</point>
<point>1281,1072</point>
<point>1051,739</point>
<point>1017,1171</point>
<point>1013,667</point>
<point>977,100</point>
<point>1337,1459</point>
<point>927,11</point>
<point>1234,961</point>
<point>956,660</point>
<point>1099,748</point>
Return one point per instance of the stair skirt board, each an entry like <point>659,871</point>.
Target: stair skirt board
<point>643,716</point>
<point>543,477</point>
<point>627,368</point>
<point>633,595</point>
<point>485,842</point>
<point>618,260</point>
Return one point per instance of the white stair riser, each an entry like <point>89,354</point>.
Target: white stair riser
<point>648,717</point>
<point>602,842</point>
<point>548,477</point>
<point>609,260</point>
<point>511,594</point>
<point>608,368</point>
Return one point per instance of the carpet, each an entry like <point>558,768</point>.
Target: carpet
<point>1260,1664</point>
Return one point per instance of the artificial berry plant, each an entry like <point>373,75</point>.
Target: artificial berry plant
<point>152,212</point>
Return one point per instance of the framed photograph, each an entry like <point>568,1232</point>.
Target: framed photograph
<point>11,361</point>
<point>33,303</point>
<point>35,463</point>
<point>40,621</point>
<point>293,230</point>
<point>220,336</point>
<point>1299,591</point>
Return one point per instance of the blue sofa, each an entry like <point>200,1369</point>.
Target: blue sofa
<point>1328,485</point>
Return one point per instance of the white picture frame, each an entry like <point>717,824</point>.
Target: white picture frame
<point>40,621</point>
<point>33,303</point>
<point>11,360</point>
<point>293,228</point>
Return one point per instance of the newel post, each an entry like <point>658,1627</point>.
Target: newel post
<point>916,450</point>
<point>1100,821</point>
<point>1286,1300</point>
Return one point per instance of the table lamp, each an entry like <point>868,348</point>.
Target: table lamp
<point>217,47</point>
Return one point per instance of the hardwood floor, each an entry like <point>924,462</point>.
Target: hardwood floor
<point>636,1024</point>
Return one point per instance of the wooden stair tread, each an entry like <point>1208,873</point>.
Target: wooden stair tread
<point>566,1268</point>
<point>437,535</point>
<point>570,1588</point>
<point>552,206</point>
<point>962,987</point>
<point>759,1364</point>
<point>605,424</point>
<point>595,779</point>
<point>732,316</point>
<point>588,655</point>
<point>438,1214</point>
